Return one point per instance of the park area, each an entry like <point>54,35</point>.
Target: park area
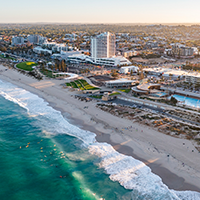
<point>27,66</point>
<point>81,84</point>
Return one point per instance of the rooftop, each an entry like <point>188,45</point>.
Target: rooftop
<point>120,81</point>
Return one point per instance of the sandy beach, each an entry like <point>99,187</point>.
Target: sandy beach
<point>175,160</point>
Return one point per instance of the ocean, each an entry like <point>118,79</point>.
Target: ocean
<point>43,156</point>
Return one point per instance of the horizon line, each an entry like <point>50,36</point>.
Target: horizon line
<point>99,23</point>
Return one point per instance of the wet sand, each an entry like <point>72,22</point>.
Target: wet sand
<point>163,154</point>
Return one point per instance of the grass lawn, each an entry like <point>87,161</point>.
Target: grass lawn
<point>46,72</point>
<point>96,96</point>
<point>73,85</point>
<point>87,86</point>
<point>27,66</point>
<point>115,93</point>
<point>79,85</point>
<point>125,90</point>
<point>68,84</point>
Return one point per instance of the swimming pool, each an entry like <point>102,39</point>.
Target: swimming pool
<point>189,101</point>
<point>158,94</point>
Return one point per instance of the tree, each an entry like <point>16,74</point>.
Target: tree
<point>131,73</point>
<point>63,65</point>
<point>59,66</point>
<point>141,75</point>
<point>3,48</point>
<point>114,73</point>
<point>173,100</point>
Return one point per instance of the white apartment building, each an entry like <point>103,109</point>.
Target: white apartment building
<point>34,39</point>
<point>60,48</point>
<point>103,46</point>
<point>112,62</point>
<point>17,40</point>
<point>195,78</point>
<point>40,50</point>
<point>126,70</point>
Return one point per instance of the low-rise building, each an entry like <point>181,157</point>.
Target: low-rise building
<point>114,61</point>
<point>111,62</point>
<point>119,83</point>
<point>59,47</point>
<point>128,69</point>
<point>193,78</point>
<point>80,58</point>
<point>127,54</point>
<point>182,51</point>
<point>40,50</point>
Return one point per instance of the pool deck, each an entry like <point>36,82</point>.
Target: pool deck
<point>183,93</point>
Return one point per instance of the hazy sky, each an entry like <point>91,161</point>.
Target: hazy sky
<point>100,11</point>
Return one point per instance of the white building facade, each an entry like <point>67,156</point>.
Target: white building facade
<point>103,46</point>
<point>34,39</point>
<point>17,40</point>
<point>126,70</point>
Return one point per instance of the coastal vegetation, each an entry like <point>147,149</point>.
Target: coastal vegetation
<point>114,93</point>
<point>161,122</point>
<point>125,90</point>
<point>27,66</point>
<point>47,72</point>
<point>96,96</point>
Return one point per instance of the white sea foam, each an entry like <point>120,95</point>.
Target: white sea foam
<point>36,106</point>
<point>129,172</point>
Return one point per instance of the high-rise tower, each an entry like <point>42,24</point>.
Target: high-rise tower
<point>103,46</point>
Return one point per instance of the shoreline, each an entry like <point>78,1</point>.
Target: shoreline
<point>162,172</point>
<point>104,125</point>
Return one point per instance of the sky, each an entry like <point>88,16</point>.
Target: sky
<point>100,11</point>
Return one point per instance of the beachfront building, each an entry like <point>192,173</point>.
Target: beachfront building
<point>103,46</point>
<point>80,58</point>
<point>190,77</point>
<point>120,83</point>
<point>128,69</point>
<point>17,40</point>
<point>193,78</point>
<point>66,55</point>
<point>40,50</point>
<point>148,89</point>
<point>112,62</point>
<point>166,72</point>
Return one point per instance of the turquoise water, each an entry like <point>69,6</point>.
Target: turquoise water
<point>37,165</point>
<point>43,156</point>
<point>188,100</point>
<point>158,94</point>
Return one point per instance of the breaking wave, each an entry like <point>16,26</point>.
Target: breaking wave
<point>129,172</point>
